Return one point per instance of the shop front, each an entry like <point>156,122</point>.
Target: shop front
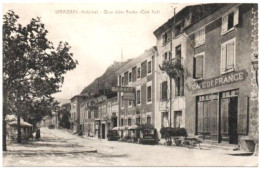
<point>222,109</point>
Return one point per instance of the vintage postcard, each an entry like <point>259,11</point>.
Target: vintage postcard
<point>130,84</point>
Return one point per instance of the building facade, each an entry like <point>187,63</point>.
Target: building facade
<point>138,107</point>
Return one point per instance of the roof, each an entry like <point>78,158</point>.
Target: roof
<point>139,59</point>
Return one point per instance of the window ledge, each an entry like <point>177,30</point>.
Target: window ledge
<point>228,71</point>
<point>231,29</point>
<point>198,45</point>
<point>150,102</point>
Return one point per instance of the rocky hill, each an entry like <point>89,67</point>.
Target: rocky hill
<point>103,84</point>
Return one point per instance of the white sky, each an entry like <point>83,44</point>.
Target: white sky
<point>96,39</point>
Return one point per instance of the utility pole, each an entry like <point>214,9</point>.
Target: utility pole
<point>172,26</point>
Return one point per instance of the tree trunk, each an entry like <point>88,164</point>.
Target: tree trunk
<point>19,138</point>
<point>5,93</point>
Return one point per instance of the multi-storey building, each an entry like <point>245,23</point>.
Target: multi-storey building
<point>215,44</point>
<point>139,107</point>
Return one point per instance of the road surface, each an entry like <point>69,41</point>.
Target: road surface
<point>61,148</point>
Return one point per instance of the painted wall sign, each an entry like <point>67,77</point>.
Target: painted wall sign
<point>229,78</point>
<point>122,89</point>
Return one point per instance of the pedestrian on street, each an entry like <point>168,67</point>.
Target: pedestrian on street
<point>38,134</point>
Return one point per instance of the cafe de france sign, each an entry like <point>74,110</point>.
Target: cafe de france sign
<point>229,78</point>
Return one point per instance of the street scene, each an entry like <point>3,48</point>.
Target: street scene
<point>158,84</point>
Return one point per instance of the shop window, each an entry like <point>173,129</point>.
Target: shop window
<point>149,93</point>
<point>165,120</point>
<point>198,66</point>
<point>200,37</point>
<point>164,90</point>
<point>179,87</point>
<point>228,56</point>
<point>229,21</point>
<point>138,97</point>
<point>148,119</point>
<point>149,67</point>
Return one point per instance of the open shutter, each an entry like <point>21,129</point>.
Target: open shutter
<point>200,117</point>
<point>224,24</point>
<point>242,121</point>
<point>199,66</point>
<point>224,115</point>
<point>223,58</point>
<point>236,16</point>
<point>230,55</point>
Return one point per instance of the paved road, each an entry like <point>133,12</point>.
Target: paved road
<point>60,148</point>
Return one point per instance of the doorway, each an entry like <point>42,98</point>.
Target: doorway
<point>233,106</point>
<point>103,131</point>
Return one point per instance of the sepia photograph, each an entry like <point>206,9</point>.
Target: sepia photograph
<point>136,84</point>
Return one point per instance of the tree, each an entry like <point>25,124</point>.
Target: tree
<point>64,116</point>
<point>32,68</point>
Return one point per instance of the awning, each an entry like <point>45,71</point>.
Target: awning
<point>133,127</point>
<point>115,128</point>
<point>22,124</point>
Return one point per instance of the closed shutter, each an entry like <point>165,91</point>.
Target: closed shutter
<point>205,117</point>
<point>230,55</point>
<point>200,117</point>
<point>223,58</point>
<point>126,78</point>
<point>236,16</point>
<point>224,24</point>
<point>199,66</point>
<point>134,74</point>
<point>213,117</point>
<point>224,115</point>
<point>143,69</point>
<point>242,121</point>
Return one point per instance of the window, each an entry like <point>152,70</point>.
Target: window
<point>89,114</point>
<point>149,67</point>
<point>134,74</point>
<point>179,87</point>
<point>138,72</point>
<point>178,52</point>
<point>129,121</point>
<point>130,76</point>
<point>229,21</point>
<point>228,56</point>
<point>165,121</point>
<point>122,102</point>
<point>167,55</point>
<point>166,37</point>
<point>129,103</point>
<point>164,88</point>
<point>138,121</point>
<point>198,66</point>
<point>138,97</point>
<point>143,69</point>
<point>148,119</point>
<point>126,78</point>
<point>200,37</point>
<point>122,80</point>
<point>178,28</point>
<point>149,93</point>
<point>122,122</point>
<point>95,114</point>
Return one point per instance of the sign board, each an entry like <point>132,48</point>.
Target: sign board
<point>129,96</point>
<point>229,78</point>
<point>123,89</point>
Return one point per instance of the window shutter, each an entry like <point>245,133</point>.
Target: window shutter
<point>223,58</point>
<point>202,36</point>
<point>230,55</point>
<point>224,115</point>
<point>134,74</point>
<point>200,117</point>
<point>143,69</point>
<point>213,117</point>
<point>199,66</point>
<point>194,67</point>
<point>168,36</point>
<point>242,121</point>
<point>170,55</point>
<point>224,24</point>
<point>236,16</point>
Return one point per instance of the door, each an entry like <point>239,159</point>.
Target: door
<point>233,106</point>
<point>103,131</point>
<point>177,119</point>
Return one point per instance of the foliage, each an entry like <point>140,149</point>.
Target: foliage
<point>32,68</point>
<point>173,68</point>
<point>64,116</point>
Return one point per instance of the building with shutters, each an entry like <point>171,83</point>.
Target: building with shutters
<point>216,49</point>
<point>137,107</point>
